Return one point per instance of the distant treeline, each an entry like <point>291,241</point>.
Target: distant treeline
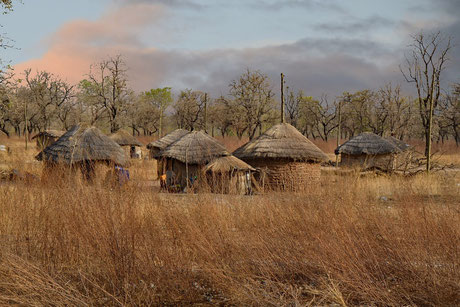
<point>40,101</point>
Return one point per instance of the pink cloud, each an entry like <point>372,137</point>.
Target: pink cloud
<point>79,43</point>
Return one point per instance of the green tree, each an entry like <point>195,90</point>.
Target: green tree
<point>159,98</point>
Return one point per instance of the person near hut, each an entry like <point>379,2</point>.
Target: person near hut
<point>122,175</point>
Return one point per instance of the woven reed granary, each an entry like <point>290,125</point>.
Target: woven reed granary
<point>370,151</point>
<point>229,175</point>
<point>47,137</point>
<point>188,155</point>
<point>83,147</point>
<point>287,157</point>
<point>129,143</point>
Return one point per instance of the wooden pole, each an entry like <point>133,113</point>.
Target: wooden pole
<point>206,112</point>
<point>282,98</point>
<point>338,133</point>
<point>430,124</point>
<point>25,124</point>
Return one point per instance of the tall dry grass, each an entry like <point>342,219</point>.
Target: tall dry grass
<point>345,240</point>
<point>343,243</point>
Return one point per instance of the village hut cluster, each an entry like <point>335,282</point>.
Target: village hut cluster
<point>280,159</point>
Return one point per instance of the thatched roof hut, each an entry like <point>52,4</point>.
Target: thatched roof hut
<point>227,164</point>
<point>187,156</point>
<point>81,145</point>
<point>195,147</point>
<point>124,138</point>
<point>368,150</point>
<point>47,137</point>
<point>400,144</point>
<point>289,159</point>
<point>281,141</point>
<point>128,142</point>
<point>367,143</point>
<point>165,141</point>
<point>229,175</point>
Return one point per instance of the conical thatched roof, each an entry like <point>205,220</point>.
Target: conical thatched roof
<point>367,143</point>
<point>195,147</point>
<point>403,146</point>
<point>83,144</point>
<point>168,139</point>
<point>49,133</point>
<point>124,138</point>
<point>282,141</point>
<point>228,164</point>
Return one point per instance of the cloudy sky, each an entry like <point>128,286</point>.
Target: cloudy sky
<point>322,46</point>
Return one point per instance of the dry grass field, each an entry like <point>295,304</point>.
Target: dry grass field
<point>347,240</point>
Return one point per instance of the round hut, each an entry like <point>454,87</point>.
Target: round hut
<point>130,144</point>
<point>47,137</point>
<point>229,175</point>
<point>371,151</point>
<point>83,147</point>
<point>287,158</point>
<point>186,157</point>
<point>156,146</point>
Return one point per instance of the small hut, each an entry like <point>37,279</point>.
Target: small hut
<point>83,147</point>
<point>156,146</point>
<point>229,175</point>
<point>187,156</point>
<point>287,157</point>
<point>47,137</point>
<point>129,143</point>
<point>370,151</point>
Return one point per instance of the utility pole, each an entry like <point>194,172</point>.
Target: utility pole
<point>430,124</point>
<point>25,123</point>
<point>338,133</point>
<point>282,98</point>
<point>206,112</point>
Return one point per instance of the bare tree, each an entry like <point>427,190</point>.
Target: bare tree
<point>253,100</point>
<point>324,115</point>
<point>189,109</point>
<point>292,106</point>
<point>423,68</point>
<point>221,115</point>
<point>450,113</point>
<point>397,110</point>
<point>109,90</point>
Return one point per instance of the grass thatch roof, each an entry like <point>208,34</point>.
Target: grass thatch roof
<point>282,141</point>
<point>367,143</point>
<point>49,133</point>
<point>195,147</point>
<point>124,138</point>
<point>403,146</point>
<point>168,139</point>
<point>228,164</point>
<point>83,144</point>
